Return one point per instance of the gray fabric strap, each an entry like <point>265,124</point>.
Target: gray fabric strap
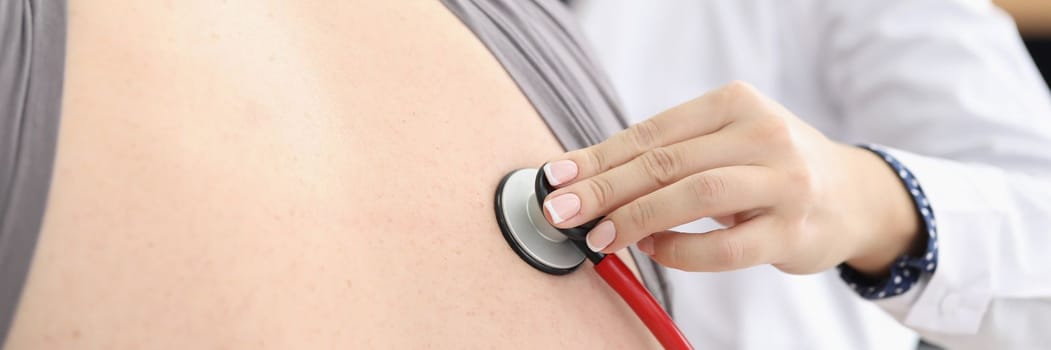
<point>32,62</point>
<point>538,45</point>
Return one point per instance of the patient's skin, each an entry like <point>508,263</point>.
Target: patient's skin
<point>295,175</point>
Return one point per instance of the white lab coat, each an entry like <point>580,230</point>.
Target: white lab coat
<point>945,82</point>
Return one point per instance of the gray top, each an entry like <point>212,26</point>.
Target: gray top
<point>540,47</point>
<point>32,62</point>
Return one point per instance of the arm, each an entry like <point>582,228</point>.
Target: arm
<point>949,84</point>
<point>945,79</point>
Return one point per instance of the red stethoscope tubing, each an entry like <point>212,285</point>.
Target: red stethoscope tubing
<point>617,275</point>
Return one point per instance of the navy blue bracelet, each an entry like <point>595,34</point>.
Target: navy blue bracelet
<point>907,268</point>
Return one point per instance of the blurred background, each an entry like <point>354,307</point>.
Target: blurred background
<point>1034,21</point>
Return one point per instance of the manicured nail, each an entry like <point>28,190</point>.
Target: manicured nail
<point>562,208</point>
<point>560,172</point>
<point>646,245</point>
<point>601,236</point>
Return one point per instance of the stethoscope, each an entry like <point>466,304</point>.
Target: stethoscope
<point>556,251</point>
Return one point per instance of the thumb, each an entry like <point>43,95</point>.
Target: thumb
<point>745,245</point>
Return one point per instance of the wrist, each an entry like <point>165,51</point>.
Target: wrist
<point>884,215</point>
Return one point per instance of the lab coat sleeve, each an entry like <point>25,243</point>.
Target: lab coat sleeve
<point>948,85</point>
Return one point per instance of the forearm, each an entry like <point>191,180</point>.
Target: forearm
<point>992,242</point>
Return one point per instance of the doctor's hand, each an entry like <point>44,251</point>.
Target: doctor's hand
<point>787,195</point>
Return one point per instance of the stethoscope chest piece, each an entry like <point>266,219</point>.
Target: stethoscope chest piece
<point>527,231</point>
<point>560,251</point>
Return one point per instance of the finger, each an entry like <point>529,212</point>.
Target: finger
<point>652,170</point>
<point>750,243</point>
<point>700,116</point>
<point>713,193</point>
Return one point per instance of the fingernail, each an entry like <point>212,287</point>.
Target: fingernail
<point>560,172</point>
<point>601,236</point>
<point>646,245</point>
<point>562,208</point>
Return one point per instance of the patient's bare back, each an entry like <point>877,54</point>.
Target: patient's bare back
<point>293,174</point>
